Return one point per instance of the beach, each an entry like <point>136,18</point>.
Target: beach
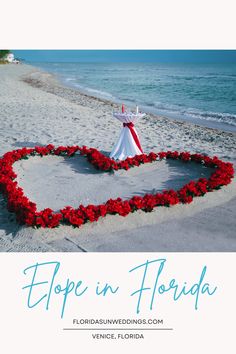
<point>36,109</point>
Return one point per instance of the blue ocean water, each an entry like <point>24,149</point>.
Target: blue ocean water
<point>202,93</point>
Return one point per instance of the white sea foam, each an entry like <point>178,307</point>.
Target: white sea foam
<point>94,92</point>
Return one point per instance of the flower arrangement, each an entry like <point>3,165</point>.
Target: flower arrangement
<point>27,213</point>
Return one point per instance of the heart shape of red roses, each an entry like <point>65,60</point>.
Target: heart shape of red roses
<point>26,211</point>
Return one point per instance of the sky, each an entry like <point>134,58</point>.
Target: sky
<point>163,56</point>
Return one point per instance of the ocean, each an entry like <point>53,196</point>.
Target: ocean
<point>201,93</point>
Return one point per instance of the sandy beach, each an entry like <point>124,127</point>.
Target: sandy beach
<point>36,109</point>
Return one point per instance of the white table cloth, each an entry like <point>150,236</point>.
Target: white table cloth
<point>128,144</point>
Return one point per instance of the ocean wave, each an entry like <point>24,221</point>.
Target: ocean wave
<point>217,117</point>
<point>202,77</point>
<point>167,107</point>
<point>95,92</point>
<point>225,118</point>
<point>128,100</point>
<point>70,79</point>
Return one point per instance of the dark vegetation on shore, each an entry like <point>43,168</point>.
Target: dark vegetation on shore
<point>3,54</point>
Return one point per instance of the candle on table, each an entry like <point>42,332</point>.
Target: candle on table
<point>123,108</point>
<point>136,109</point>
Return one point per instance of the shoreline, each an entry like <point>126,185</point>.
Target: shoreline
<point>36,80</point>
<point>151,112</point>
<point>203,117</point>
<point>36,109</point>
<point>49,83</point>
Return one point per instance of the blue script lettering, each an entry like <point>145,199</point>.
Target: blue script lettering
<point>48,287</point>
<point>104,289</point>
<point>156,266</point>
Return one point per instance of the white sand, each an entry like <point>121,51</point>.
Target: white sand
<point>39,111</point>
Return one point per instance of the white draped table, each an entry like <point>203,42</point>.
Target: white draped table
<point>128,144</point>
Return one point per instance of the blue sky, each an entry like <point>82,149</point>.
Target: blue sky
<point>163,56</point>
